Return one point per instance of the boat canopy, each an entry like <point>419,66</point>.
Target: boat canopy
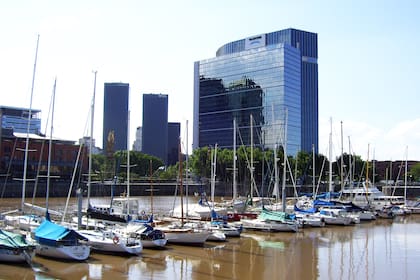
<point>50,233</point>
<point>275,215</point>
<point>12,240</point>
<point>309,211</point>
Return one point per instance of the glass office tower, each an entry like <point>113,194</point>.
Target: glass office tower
<point>174,132</point>
<point>16,120</point>
<point>262,76</point>
<point>115,126</point>
<point>155,126</point>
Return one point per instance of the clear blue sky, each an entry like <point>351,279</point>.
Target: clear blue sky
<point>368,60</point>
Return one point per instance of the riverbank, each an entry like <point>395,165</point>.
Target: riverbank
<point>165,188</point>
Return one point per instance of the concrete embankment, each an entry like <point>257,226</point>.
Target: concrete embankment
<point>145,188</point>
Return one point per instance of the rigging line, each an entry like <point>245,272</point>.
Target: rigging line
<point>361,174</point>
<point>247,161</point>
<point>398,177</point>
<point>9,167</point>
<point>41,154</point>
<point>320,175</point>
<point>25,167</point>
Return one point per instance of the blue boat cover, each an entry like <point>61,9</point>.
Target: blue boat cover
<point>309,211</point>
<point>50,233</point>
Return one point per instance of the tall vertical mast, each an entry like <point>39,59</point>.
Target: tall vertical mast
<point>234,160</point>
<point>181,192</point>
<point>186,166</point>
<point>367,173</point>
<point>331,188</point>
<point>276,191</point>
<point>341,161</point>
<point>25,167</point>
<point>92,114</point>
<point>373,168</point>
<point>313,172</point>
<point>151,186</point>
<point>252,157</point>
<point>350,167</point>
<point>213,173</point>
<point>405,176</point>
<point>128,163</point>
<point>50,147</point>
<point>283,189</point>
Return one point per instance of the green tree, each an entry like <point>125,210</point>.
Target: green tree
<point>200,162</point>
<point>415,172</point>
<point>139,162</point>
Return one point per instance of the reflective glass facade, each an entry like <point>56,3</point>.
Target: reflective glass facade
<point>174,131</point>
<point>155,126</point>
<point>16,119</point>
<point>116,97</point>
<point>261,83</point>
<point>260,76</point>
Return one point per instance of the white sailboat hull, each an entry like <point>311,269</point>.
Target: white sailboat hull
<point>216,235</point>
<point>199,211</point>
<point>258,224</point>
<point>187,238</point>
<point>97,241</point>
<point>310,220</point>
<point>185,235</point>
<point>77,253</point>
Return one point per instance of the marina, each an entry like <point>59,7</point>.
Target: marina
<point>379,249</point>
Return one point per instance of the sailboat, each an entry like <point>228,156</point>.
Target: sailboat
<point>180,232</point>
<point>15,248</point>
<point>204,208</point>
<point>271,220</point>
<point>55,240</point>
<point>108,241</point>
<point>149,236</point>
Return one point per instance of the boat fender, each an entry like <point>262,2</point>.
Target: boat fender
<point>115,240</point>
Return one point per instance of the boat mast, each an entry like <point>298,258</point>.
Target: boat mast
<point>373,168</point>
<point>367,174</point>
<point>313,172</point>
<point>252,157</point>
<point>50,148</point>
<point>234,160</point>
<point>283,189</point>
<point>151,186</point>
<point>180,180</point>
<point>92,114</point>
<point>341,161</point>
<point>331,188</point>
<point>186,167</point>
<point>25,166</point>
<point>213,172</point>
<point>276,192</point>
<point>128,164</point>
<point>350,167</point>
<point>405,176</point>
